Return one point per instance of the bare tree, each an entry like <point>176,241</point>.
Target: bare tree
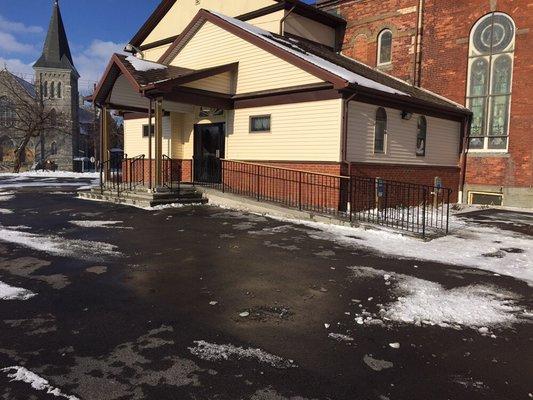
<point>28,117</point>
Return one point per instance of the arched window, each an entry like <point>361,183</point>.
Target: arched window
<point>53,149</point>
<point>491,56</point>
<point>6,147</point>
<point>53,118</point>
<point>421,136</point>
<point>7,112</point>
<point>52,90</point>
<point>380,130</point>
<point>45,89</point>
<point>59,94</point>
<point>384,47</point>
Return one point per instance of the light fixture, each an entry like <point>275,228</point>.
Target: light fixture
<point>407,115</point>
<point>134,50</point>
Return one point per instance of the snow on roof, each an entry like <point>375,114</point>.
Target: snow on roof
<point>143,65</point>
<point>291,45</point>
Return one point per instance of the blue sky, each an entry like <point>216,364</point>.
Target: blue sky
<point>96,29</point>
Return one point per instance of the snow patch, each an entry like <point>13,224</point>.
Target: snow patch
<point>216,352</point>
<point>143,65</point>
<point>52,174</point>
<point>58,245</point>
<point>21,374</point>
<point>95,224</point>
<point>5,211</point>
<point>14,293</point>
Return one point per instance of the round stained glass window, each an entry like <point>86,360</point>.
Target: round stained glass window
<point>494,34</point>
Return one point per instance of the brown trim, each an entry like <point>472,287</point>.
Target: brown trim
<point>115,62</point>
<point>396,165</point>
<point>199,97</point>
<point>292,89</point>
<point>158,43</point>
<point>118,107</point>
<point>286,55</point>
<point>287,98</point>
<point>206,73</point>
<point>162,9</point>
<point>261,12</point>
<point>135,115</point>
<point>408,103</point>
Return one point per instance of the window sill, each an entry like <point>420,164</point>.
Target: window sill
<point>481,154</point>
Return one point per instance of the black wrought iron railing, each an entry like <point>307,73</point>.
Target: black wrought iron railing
<point>136,169</point>
<point>111,174</point>
<point>420,209</point>
<point>171,174</point>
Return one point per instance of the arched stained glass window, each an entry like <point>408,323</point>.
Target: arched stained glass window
<point>421,136</point>
<point>7,112</point>
<point>45,89</point>
<point>53,148</point>
<point>59,93</point>
<point>490,81</point>
<point>380,130</point>
<point>385,47</point>
<point>52,90</point>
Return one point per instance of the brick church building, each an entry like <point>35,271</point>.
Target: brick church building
<point>478,53</point>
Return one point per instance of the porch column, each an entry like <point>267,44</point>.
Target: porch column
<point>158,142</point>
<point>150,177</point>
<point>104,139</point>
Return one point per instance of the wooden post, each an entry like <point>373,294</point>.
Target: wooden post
<point>158,142</point>
<point>104,145</point>
<point>150,178</point>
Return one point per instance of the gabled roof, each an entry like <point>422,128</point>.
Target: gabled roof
<point>24,84</point>
<point>300,8</point>
<point>56,51</point>
<point>342,72</point>
<point>150,76</point>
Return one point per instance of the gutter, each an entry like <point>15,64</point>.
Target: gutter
<point>282,21</point>
<point>344,135</point>
<point>464,157</point>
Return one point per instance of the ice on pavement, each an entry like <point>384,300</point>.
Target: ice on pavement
<point>422,302</point>
<point>95,224</point>
<point>216,352</point>
<point>21,374</point>
<point>8,292</point>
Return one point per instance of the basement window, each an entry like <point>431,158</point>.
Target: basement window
<point>485,198</point>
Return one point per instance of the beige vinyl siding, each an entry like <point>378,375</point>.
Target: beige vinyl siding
<point>155,53</point>
<point>299,132</point>
<point>442,141</point>
<point>134,142</point>
<point>309,29</point>
<point>221,83</point>
<point>269,22</point>
<point>183,11</point>
<point>258,69</point>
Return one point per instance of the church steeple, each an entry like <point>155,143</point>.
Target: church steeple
<point>56,51</point>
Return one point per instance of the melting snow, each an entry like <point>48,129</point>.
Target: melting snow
<point>21,374</point>
<point>95,224</point>
<point>6,196</point>
<point>58,245</point>
<point>51,174</point>
<point>14,293</point>
<point>5,211</point>
<point>215,352</point>
<point>143,65</point>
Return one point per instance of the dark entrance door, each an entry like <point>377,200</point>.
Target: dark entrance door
<point>208,150</point>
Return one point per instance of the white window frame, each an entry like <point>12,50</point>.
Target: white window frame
<point>378,55</point>
<point>473,55</point>
<point>385,134</point>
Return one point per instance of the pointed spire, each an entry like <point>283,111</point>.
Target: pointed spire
<point>56,51</point>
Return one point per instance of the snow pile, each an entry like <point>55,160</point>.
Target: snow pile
<point>95,224</point>
<point>21,374</point>
<point>292,47</point>
<point>215,352</point>
<point>58,245</point>
<point>470,245</point>
<point>423,302</point>
<point>5,211</point>
<point>14,293</point>
<point>143,65</point>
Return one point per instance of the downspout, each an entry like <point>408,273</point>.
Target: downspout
<point>464,157</point>
<point>282,21</point>
<point>417,67</point>
<point>345,112</point>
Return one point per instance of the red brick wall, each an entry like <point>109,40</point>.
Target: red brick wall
<point>180,168</point>
<point>421,175</point>
<point>445,42</point>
